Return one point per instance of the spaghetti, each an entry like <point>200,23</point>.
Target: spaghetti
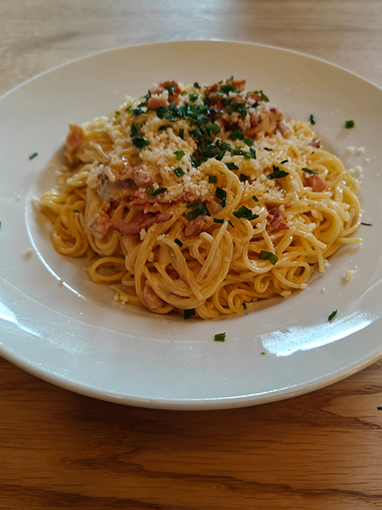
<point>201,199</point>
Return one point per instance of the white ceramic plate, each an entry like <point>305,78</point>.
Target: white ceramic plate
<point>58,325</point>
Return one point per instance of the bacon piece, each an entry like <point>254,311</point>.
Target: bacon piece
<point>145,174</point>
<point>264,121</point>
<point>151,299</point>
<point>75,136</point>
<point>283,128</point>
<point>144,222</point>
<point>238,84</point>
<point>194,227</point>
<point>276,220</point>
<point>316,142</point>
<point>156,101</point>
<point>173,91</point>
<point>111,191</point>
<point>314,181</point>
<point>101,224</point>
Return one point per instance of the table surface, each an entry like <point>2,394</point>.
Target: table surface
<point>62,450</point>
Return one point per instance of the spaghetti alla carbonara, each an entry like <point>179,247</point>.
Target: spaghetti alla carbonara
<point>201,199</point>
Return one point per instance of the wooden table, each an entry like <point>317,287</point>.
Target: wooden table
<point>59,450</point>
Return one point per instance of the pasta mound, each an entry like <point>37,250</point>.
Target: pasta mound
<point>201,199</point>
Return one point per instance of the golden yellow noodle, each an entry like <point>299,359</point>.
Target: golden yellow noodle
<point>261,236</point>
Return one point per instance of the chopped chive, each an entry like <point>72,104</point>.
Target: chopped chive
<point>196,85</point>
<point>231,166</point>
<point>312,119</point>
<point>193,97</point>
<point>181,133</point>
<point>152,192</point>
<point>262,95</point>
<point>218,220</point>
<point>194,162</point>
<point>263,353</point>
<point>117,113</point>
<point>277,173</point>
<point>253,152</point>
<point>237,134</point>
<point>221,194</point>
<point>349,124</point>
<point>129,109</point>
<point>244,305</point>
<point>197,209</point>
<point>171,89</point>
<point>189,313</point>
<point>139,142</point>
<point>178,171</point>
<point>244,212</point>
<point>248,141</point>
<point>255,199</point>
<point>268,255</point>
<point>213,178</point>
<point>76,211</point>
<point>268,149</point>
<point>163,127</point>
<point>332,315</point>
<point>309,171</point>
<point>243,177</point>
<point>227,88</point>
<point>230,223</point>
<point>283,162</point>
<point>179,155</point>
<point>219,337</point>
<point>178,242</point>
<point>32,156</point>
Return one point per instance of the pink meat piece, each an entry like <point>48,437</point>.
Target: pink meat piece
<point>151,299</point>
<point>194,227</point>
<point>276,220</point>
<point>145,222</point>
<point>314,181</point>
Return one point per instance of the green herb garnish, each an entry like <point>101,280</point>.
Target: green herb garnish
<point>309,171</point>
<point>283,162</point>
<point>268,149</point>
<point>178,171</point>
<point>171,89</point>
<point>268,255</point>
<point>244,212</point>
<point>181,133</point>
<point>213,178</point>
<point>231,166</point>
<point>255,199</point>
<point>32,156</point>
<point>312,119</point>
<point>197,209</point>
<point>189,313</point>
<point>152,192</point>
<point>194,162</point>
<point>262,95</point>
<point>178,242</point>
<point>179,155</point>
<point>219,337</point>
<point>332,315</point>
<point>277,173</point>
<point>218,220</point>
<point>349,124</point>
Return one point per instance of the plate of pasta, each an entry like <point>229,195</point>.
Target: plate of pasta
<point>185,236</point>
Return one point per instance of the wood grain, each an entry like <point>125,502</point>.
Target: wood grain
<point>59,450</point>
